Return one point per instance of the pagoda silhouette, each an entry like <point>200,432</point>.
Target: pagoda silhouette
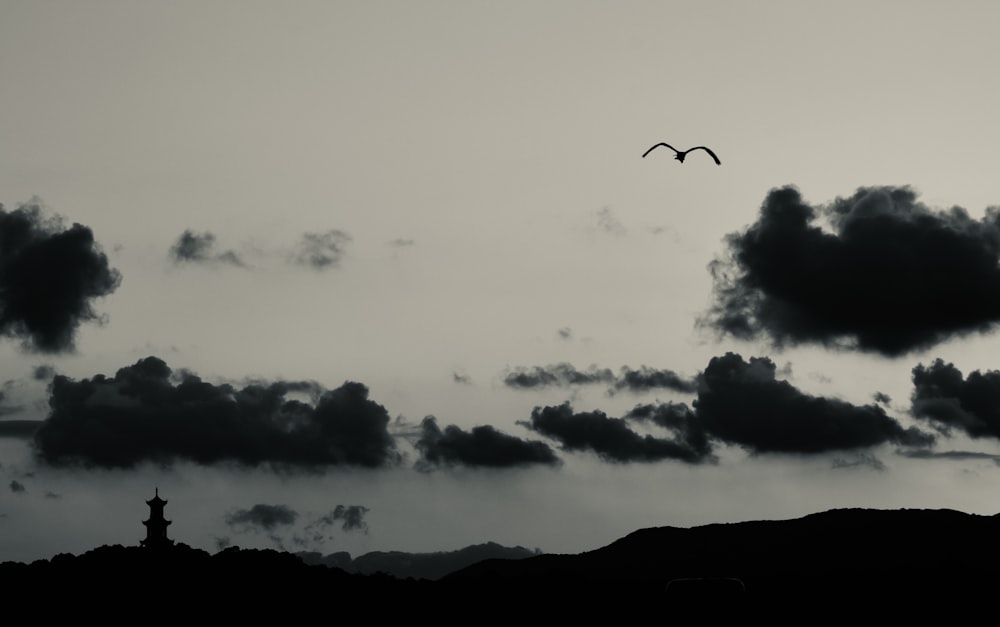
<point>156,526</point>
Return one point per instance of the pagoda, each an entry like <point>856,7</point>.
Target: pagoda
<point>156,526</point>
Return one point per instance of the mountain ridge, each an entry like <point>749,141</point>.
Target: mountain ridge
<point>894,562</point>
<point>427,565</point>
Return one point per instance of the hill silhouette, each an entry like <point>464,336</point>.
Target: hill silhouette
<point>405,565</point>
<point>839,562</point>
<point>895,561</point>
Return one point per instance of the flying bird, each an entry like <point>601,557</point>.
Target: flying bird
<point>683,153</point>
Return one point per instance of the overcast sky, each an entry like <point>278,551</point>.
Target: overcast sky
<point>395,275</point>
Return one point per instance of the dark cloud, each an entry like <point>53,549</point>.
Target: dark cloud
<point>43,373</point>
<point>48,277</point>
<point>260,516</point>
<point>743,403</point>
<point>943,397</point>
<point>646,378</point>
<point>862,460</point>
<point>954,455</point>
<point>322,250</point>
<point>535,377</point>
<point>353,517</point>
<point>611,438</point>
<point>738,402</point>
<point>52,495</point>
<point>17,487</point>
<point>643,379</point>
<point>145,414</point>
<point>482,446</point>
<point>887,274</point>
<point>882,398</point>
<point>556,375</point>
<point>679,418</point>
<point>200,248</point>
<point>192,247</point>
<point>458,377</point>
<point>565,333</point>
<point>350,518</point>
<point>19,428</point>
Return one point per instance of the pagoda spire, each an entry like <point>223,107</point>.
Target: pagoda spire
<point>156,525</point>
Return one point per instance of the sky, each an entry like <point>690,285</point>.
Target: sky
<point>356,276</point>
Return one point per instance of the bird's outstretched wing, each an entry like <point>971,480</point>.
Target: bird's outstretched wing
<point>657,145</point>
<point>717,162</point>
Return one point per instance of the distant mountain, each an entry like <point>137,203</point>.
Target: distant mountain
<point>431,566</point>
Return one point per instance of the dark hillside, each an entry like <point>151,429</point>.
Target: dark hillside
<point>903,563</point>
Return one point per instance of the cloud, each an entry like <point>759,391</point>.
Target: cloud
<point>679,418</point>
<point>43,372</point>
<point>643,379</point>
<point>947,401</point>
<point>861,460</point>
<point>738,402</point>
<point>49,275</point>
<point>8,409</point>
<point>19,428</point>
<point>877,271</point>
<point>401,242</point>
<point>277,524</point>
<point>321,251</point>
<point>145,413</point>
<point>261,516</point>
<point>193,247</point>
<point>608,223</point>
<point>743,403</point>
<point>953,455</point>
<point>461,378</point>
<point>882,398</point>
<point>646,378</point>
<point>565,333</point>
<point>562,374</point>
<point>483,446</point>
<point>17,487</point>
<point>353,517</point>
<point>611,438</point>
<point>350,517</point>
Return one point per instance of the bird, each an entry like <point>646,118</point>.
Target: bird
<point>683,153</point>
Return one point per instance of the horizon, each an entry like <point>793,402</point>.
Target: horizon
<point>266,517</point>
<point>350,277</point>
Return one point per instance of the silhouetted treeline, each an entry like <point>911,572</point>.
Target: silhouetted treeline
<point>181,581</point>
<point>899,563</point>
